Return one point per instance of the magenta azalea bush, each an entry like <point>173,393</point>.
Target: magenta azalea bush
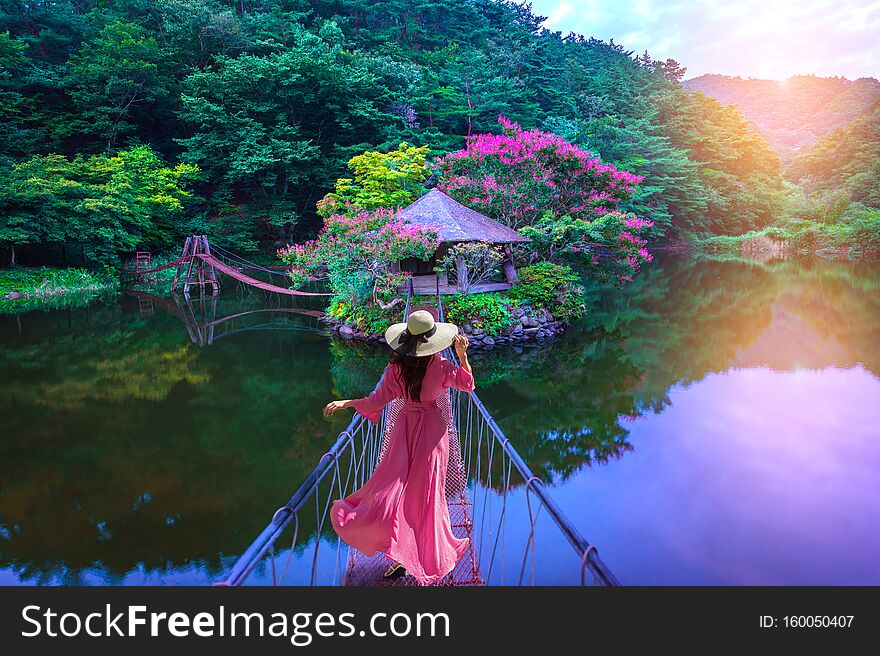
<point>608,246</point>
<point>564,198</point>
<point>355,254</point>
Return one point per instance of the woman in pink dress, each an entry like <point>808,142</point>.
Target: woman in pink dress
<point>402,509</point>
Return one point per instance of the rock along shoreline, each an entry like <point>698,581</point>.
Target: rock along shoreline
<point>528,325</point>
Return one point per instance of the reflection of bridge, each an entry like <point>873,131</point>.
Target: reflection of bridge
<point>485,472</point>
<point>199,316</point>
<point>198,265</point>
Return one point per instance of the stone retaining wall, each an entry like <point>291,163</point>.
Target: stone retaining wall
<point>529,324</point>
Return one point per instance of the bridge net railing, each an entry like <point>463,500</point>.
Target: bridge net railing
<point>489,490</point>
<point>493,497</point>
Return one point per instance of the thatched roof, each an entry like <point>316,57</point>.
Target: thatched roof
<point>454,222</point>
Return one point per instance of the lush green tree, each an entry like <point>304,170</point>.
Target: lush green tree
<point>194,32</point>
<point>112,76</point>
<point>389,180</point>
<point>19,134</point>
<point>737,167</point>
<point>671,187</point>
<point>271,128</point>
<point>608,246</point>
<point>845,163</point>
<point>103,205</point>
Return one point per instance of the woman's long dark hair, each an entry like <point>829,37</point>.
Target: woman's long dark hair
<point>412,372</point>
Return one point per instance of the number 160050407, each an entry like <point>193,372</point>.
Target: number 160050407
<point>817,621</point>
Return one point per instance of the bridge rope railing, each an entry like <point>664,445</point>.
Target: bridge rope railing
<point>491,472</point>
<point>199,262</point>
<point>204,327</point>
<point>590,559</point>
<point>244,263</point>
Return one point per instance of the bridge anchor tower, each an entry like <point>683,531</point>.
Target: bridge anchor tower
<point>195,271</point>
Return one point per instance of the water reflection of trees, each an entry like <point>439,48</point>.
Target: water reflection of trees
<point>127,447</point>
<point>568,404</point>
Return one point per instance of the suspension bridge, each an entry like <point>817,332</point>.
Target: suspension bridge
<point>198,266</point>
<point>484,474</point>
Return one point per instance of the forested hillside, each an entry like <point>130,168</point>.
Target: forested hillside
<point>847,162</point>
<point>795,113</point>
<point>127,124</point>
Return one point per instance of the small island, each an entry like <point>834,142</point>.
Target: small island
<point>480,261</point>
<point>500,233</point>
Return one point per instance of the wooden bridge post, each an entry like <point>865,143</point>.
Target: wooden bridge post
<point>193,249</point>
<point>200,270</point>
<point>204,272</point>
<point>186,251</point>
<point>212,273</point>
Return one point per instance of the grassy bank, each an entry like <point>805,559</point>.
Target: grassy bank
<point>854,236</point>
<point>23,288</point>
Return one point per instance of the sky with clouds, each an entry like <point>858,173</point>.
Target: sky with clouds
<point>770,39</point>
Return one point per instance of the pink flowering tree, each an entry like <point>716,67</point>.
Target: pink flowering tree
<point>564,198</point>
<point>608,246</point>
<point>355,254</point>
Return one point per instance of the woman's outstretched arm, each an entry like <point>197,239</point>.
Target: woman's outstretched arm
<point>370,406</point>
<point>335,406</point>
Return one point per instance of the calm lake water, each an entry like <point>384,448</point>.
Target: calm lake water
<point>713,423</point>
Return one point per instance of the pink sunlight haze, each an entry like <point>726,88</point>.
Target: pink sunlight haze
<point>750,38</point>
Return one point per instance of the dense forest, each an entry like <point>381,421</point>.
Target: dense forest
<point>793,114</point>
<point>826,132</point>
<point>847,161</point>
<point>127,124</point>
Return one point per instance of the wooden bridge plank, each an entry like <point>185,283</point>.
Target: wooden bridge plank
<point>363,570</point>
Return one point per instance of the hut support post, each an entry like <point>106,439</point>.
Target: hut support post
<point>461,273</point>
<point>507,266</point>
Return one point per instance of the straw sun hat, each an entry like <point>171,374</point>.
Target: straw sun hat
<point>420,335</point>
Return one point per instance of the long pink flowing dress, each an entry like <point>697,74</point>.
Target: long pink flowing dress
<point>402,509</point>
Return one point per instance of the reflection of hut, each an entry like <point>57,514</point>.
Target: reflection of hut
<point>455,223</point>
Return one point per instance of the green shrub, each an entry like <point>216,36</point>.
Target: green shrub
<point>857,232</point>
<point>486,311</point>
<point>725,243</point>
<point>866,230</point>
<point>367,317</point>
<point>805,238</point>
<point>554,287</point>
<point>46,287</point>
<point>44,282</point>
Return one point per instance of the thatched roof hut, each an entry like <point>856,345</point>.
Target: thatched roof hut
<point>455,223</point>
